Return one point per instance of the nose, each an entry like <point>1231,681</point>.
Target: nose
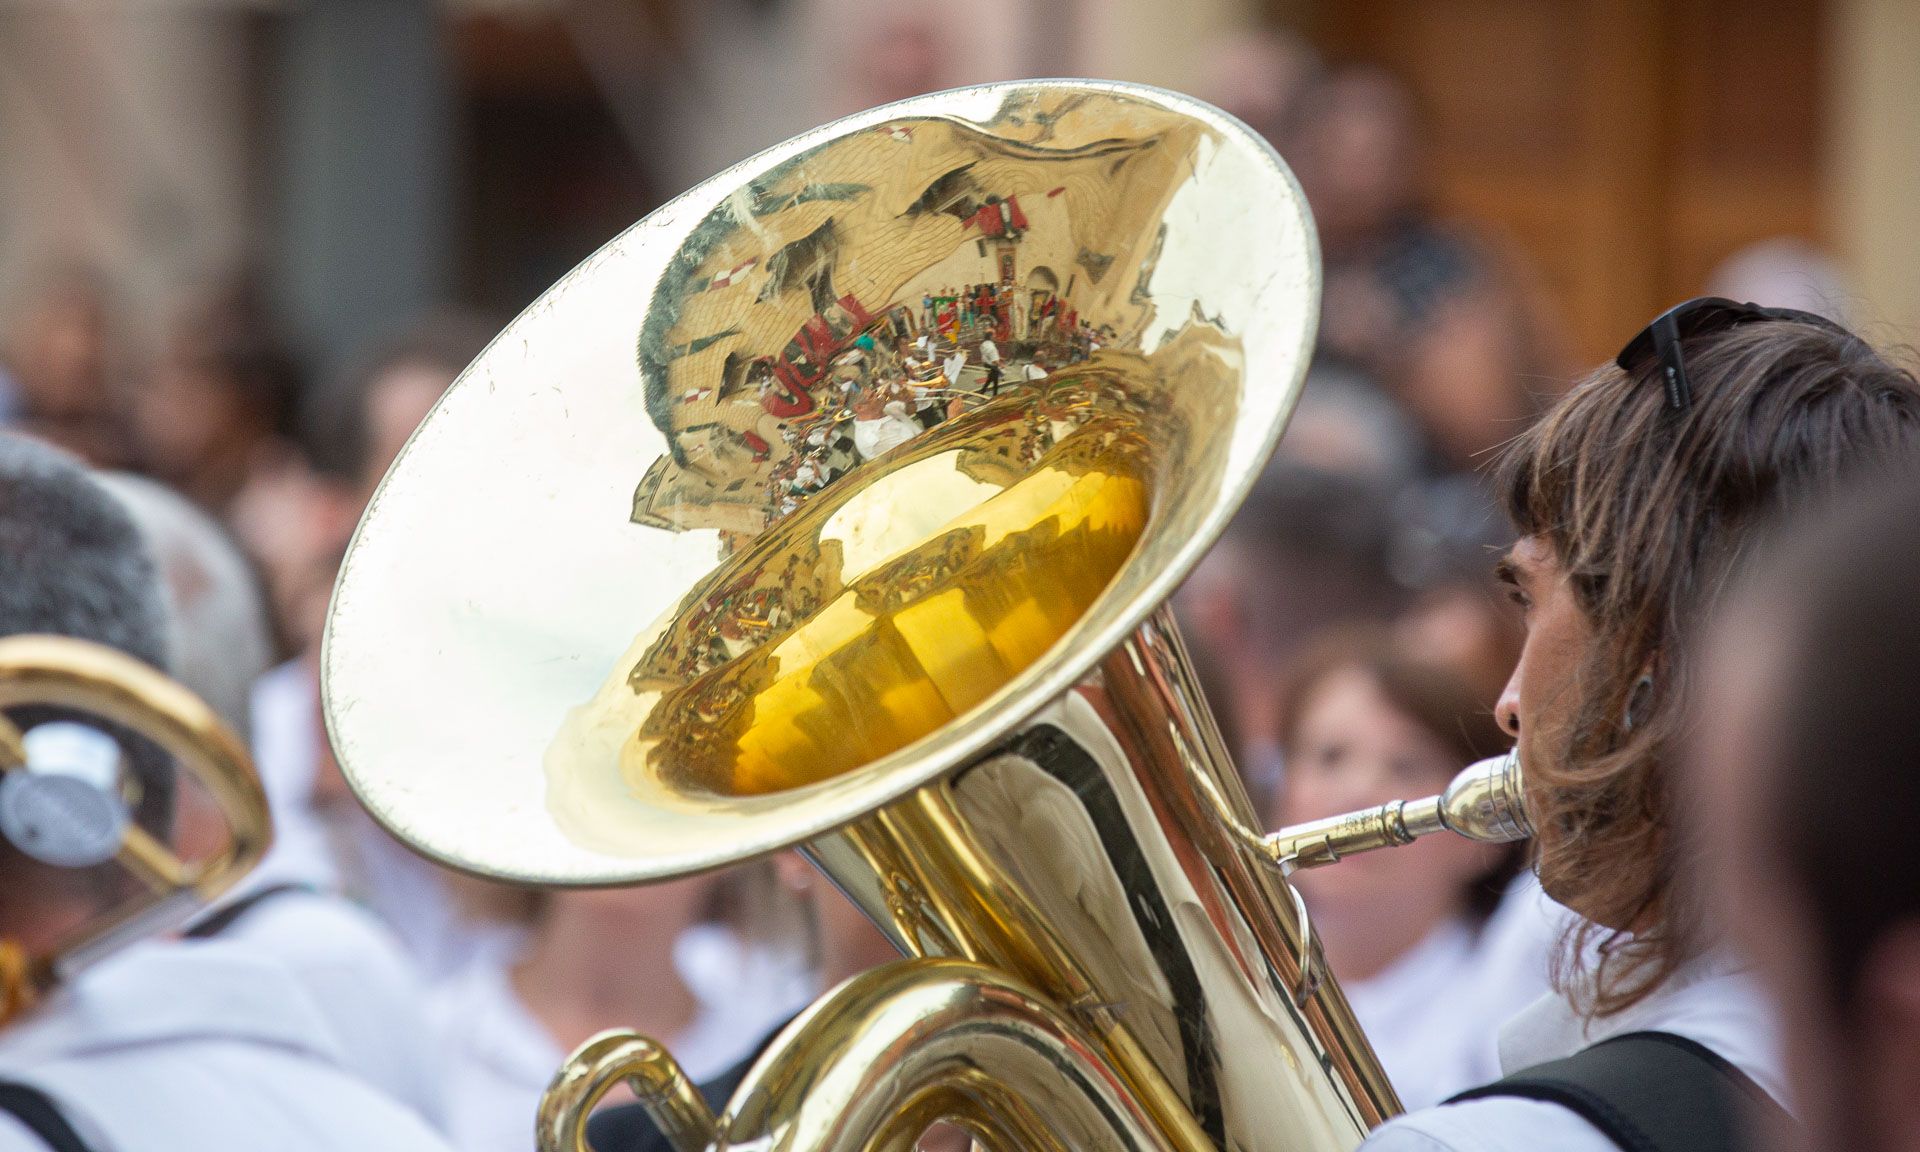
<point>1507,712</point>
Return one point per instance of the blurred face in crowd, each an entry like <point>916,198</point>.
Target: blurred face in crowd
<point>58,353</point>
<point>396,404</point>
<point>187,411</point>
<point>1463,627</point>
<point>1352,747</point>
<point>1355,155</point>
<point>1540,699</point>
<point>1256,74</point>
<point>1464,375</point>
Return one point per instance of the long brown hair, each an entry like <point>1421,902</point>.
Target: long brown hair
<point>1650,512</point>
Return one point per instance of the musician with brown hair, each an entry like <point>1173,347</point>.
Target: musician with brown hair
<point>1635,498</point>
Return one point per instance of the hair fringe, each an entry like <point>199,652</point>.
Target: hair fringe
<point>1649,512</point>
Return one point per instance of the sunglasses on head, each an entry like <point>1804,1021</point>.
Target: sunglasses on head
<point>1702,316</point>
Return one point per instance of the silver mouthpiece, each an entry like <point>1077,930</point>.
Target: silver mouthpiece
<point>1485,802</point>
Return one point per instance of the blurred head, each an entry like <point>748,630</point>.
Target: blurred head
<point>1462,626</point>
<point>56,348</point>
<point>217,628</point>
<point>380,403</point>
<point>1784,272</point>
<point>1346,423</point>
<point>904,54</point>
<point>1258,74</point>
<point>1364,724</point>
<point>1354,144</point>
<point>75,565</point>
<point>1804,793</point>
<point>1475,368</point>
<point>1307,550</point>
<point>216,616</point>
<point>225,385</point>
<point>1633,519</point>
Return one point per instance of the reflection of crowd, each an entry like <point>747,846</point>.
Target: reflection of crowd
<point>1346,625</point>
<point>894,382</point>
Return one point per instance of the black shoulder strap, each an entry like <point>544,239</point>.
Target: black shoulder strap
<point>1649,1092</point>
<point>231,914</point>
<point>41,1115</point>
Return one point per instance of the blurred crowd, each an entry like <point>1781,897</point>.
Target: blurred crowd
<point>1348,627</point>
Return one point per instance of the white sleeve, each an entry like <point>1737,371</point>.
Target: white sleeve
<point>1404,1140</point>
<point>17,1137</point>
<point>1494,1124</point>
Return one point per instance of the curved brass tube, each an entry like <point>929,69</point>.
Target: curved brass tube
<point>662,1088</point>
<point>97,680</point>
<point>879,1060</point>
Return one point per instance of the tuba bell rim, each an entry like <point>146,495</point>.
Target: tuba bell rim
<point>1147,579</point>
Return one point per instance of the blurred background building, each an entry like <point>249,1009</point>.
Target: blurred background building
<point>369,158</point>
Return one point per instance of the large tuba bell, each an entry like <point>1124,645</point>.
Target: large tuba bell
<point>837,504</point>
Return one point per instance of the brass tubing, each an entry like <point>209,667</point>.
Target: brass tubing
<point>102,682</point>
<point>904,1045</point>
<point>90,678</point>
<point>657,1080</point>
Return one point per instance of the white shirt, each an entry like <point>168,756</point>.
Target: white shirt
<point>876,438</point>
<point>1709,1002</point>
<point>1426,1034</point>
<point>180,1046</point>
<point>1434,1014</point>
<point>367,991</point>
<point>345,850</point>
<point>989,353</point>
<point>500,1058</point>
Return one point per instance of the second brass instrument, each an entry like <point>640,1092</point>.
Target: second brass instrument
<point>98,681</point>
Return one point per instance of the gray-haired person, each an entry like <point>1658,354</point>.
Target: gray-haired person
<point>167,1044</point>
<point>290,908</point>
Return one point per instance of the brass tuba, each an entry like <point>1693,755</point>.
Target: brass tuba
<point>837,504</point>
<point>59,671</point>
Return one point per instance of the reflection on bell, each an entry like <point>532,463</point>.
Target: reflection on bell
<point>837,505</point>
<point>867,657</point>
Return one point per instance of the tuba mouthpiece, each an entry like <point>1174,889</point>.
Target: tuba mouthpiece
<point>1485,802</point>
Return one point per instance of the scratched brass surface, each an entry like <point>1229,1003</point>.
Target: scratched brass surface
<point>681,571</point>
<point>557,526</point>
